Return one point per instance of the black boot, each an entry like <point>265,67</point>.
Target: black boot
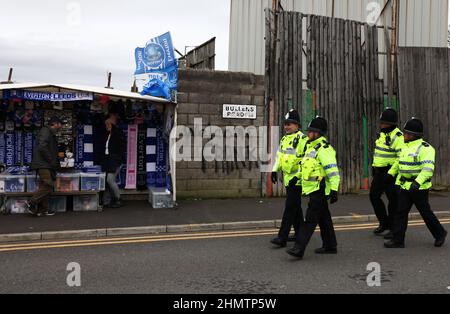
<point>380,230</point>
<point>326,251</point>
<point>389,236</point>
<point>394,245</point>
<point>441,241</point>
<point>279,242</point>
<point>292,238</point>
<point>296,252</point>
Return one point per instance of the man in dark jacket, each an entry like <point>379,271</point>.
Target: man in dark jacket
<point>113,160</point>
<point>45,163</point>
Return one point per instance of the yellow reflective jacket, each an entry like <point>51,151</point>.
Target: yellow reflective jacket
<point>387,148</point>
<point>289,156</point>
<point>320,164</point>
<point>416,163</point>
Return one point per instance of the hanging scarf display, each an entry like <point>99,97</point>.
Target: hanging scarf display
<point>2,148</point>
<point>84,148</point>
<point>18,153</point>
<point>132,157</point>
<point>151,157</point>
<point>122,177</point>
<point>79,147</point>
<point>141,156</point>
<point>161,164</point>
<point>28,143</point>
<point>10,149</point>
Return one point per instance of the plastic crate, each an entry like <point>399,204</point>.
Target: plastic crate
<point>67,182</point>
<point>93,181</point>
<point>160,198</point>
<point>12,183</point>
<point>58,204</point>
<point>32,183</point>
<point>85,203</point>
<point>92,169</point>
<point>17,205</point>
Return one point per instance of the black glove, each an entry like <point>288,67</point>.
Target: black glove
<point>415,186</point>
<point>274,177</point>
<point>293,182</point>
<point>333,197</point>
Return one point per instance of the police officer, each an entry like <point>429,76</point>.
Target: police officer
<point>288,161</point>
<point>320,181</point>
<point>414,171</point>
<point>387,149</point>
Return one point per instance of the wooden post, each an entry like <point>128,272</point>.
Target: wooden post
<point>10,75</point>
<point>275,4</point>
<point>109,80</point>
<point>389,66</point>
<point>394,44</point>
<point>134,88</point>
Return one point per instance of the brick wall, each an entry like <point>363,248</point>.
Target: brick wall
<point>202,94</point>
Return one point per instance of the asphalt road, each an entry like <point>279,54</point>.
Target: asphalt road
<point>227,264</point>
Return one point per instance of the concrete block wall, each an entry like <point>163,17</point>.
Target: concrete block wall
<point>202,94</point>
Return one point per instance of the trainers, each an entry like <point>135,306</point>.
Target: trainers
<point>116,204</point>
<point>50,213</point>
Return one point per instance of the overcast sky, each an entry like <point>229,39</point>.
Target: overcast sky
<point>44,42</point>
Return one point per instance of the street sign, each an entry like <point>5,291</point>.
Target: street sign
<point>239,111</point>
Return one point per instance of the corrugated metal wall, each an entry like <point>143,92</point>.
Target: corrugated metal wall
<point>421,23</point>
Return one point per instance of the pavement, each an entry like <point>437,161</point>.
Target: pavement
<point>137,217</point>
<point>224,263</point>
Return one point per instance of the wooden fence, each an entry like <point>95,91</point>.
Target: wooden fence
<point>424,84</point>
<point>342,72</point>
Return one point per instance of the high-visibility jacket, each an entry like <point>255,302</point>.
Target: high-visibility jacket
<point>289,156</point>
<point>320,164</point>
<point>416,163</point>
<point>387,148</point>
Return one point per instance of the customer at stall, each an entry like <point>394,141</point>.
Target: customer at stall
<point>112,161</point>
<point>45,163</point>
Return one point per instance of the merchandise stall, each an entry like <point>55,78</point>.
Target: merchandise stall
<point>145,121</point>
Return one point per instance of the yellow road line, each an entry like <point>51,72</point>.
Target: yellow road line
<point>165,236</point>
<point>184,237</point>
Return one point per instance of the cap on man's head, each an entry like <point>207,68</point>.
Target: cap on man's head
<point>54,120</point>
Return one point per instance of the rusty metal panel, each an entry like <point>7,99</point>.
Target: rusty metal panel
<point>421,23</point>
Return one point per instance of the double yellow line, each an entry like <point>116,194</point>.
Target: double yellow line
<point>173,237</point>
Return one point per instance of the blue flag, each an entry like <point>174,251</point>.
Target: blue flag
<point>158,63</point>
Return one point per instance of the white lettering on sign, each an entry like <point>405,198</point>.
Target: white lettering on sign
<point>239,112</point>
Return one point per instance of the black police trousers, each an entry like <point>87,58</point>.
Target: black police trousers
<point>421,199</point>
<point>293,213</point>
<point>381,183</point>
<point>317,213</point>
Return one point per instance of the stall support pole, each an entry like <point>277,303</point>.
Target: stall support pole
<point>172,156</point>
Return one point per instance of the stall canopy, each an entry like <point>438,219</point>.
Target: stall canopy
<point>81,88</point>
